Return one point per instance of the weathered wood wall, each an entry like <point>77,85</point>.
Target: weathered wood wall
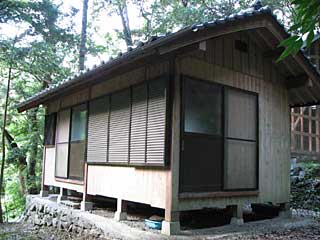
<point>224,64</point>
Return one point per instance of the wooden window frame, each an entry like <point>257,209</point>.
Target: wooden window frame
<point>77,141</point>
<point>224,126</point>
<point>166,162</point>
<point>69,179</point>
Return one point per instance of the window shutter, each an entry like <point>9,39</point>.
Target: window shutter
<point>138,124</point>
<point>98,130</point>
<point>63,126</point>
<point>156,122</point>
<point>119,127</point>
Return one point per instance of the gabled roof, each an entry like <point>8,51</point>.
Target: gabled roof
<point>173,41</point>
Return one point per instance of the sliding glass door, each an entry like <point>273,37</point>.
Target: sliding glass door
<point>202,144</point>
<point>219,138</point>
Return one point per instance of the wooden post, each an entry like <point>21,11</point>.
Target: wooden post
<point>44,192</point>
<point>301,129</point>
<point>171,223</point>
<point>63,195</point>
<point>317,130</point>
<point>86,204</point>
<point>310,129</point>
<point>121,213</point>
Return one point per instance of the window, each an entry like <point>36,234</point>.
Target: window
<point>63,127</point>
<point>77,141</point>
<point>50,129</point>
<point>241,140</point>
<point>128,127</point>
<point>201,167</point>
<point>203,109</point>
<point>219,140</point>
<point>71,142</point>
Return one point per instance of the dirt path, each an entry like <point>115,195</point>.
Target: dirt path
<point>309,231</point>
<point>25,231</point>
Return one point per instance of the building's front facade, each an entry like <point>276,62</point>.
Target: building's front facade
<point>197,119</point>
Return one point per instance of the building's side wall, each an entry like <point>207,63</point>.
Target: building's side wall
<point>143,184</point>
<point>222,63</point>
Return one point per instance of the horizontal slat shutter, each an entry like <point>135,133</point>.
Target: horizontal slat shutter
<point>156,122</point>
<point>138,124</point>
<point>98,130</point>
<point>119,127</point>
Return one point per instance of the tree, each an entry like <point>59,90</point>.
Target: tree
<point>3,138</point>
<point>35,61</point>
<point>82,48</point>
<point>306,18</point>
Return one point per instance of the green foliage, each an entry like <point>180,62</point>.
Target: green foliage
<point>304,193</point>
<point>307,19</point>
<point>14,200</point>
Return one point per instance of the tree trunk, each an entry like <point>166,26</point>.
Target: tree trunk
<point>33,189</point>
<point>83,39</point>
<point>123,12</point>
<point>2,192</point>
<point>21,163</point>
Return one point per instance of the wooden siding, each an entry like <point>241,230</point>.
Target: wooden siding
<point>75,98</point>
<point>53,106</point>
<point>146,186</point>
<point>261,76</point>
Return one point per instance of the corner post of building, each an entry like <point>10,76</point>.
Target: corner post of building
<point>63,195</point>
<point>86,203</point>
<point>44,192</point>
<point>237,214</point>
<point>121,213</point>
<point>171,223</point>
<point>285,210</point>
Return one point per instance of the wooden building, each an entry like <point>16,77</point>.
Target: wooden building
<point>195,119</point>
<point>305,130</point>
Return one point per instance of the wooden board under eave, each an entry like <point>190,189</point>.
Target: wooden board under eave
<point>75,98</point>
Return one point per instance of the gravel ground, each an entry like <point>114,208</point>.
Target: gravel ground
<point>26,231</point>
<point>306,230</point>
